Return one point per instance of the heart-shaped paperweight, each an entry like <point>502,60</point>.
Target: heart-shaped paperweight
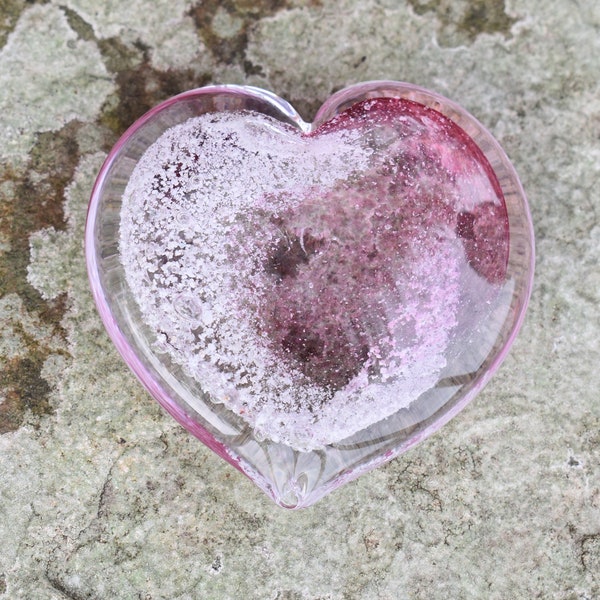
<point>310,299</point>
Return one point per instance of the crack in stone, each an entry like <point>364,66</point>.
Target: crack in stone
<point>589,552</point>
<point>65,592</point>
<point>89,534</point>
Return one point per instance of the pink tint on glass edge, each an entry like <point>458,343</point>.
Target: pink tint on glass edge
<point>345,99</point>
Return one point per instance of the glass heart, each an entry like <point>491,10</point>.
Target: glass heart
<point>310,299</point>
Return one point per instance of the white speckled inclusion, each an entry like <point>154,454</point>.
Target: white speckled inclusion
<point>199,216</point>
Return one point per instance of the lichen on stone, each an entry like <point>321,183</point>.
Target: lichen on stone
<point>44,65</point>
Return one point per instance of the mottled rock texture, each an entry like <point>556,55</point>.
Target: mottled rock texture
<point>102,496</point>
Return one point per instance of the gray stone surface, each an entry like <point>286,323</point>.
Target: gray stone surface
<point>102,496</point>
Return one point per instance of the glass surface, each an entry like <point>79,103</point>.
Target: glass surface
<point>310,299</point>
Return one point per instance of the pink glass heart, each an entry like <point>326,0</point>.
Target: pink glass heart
<point>310,300</point>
